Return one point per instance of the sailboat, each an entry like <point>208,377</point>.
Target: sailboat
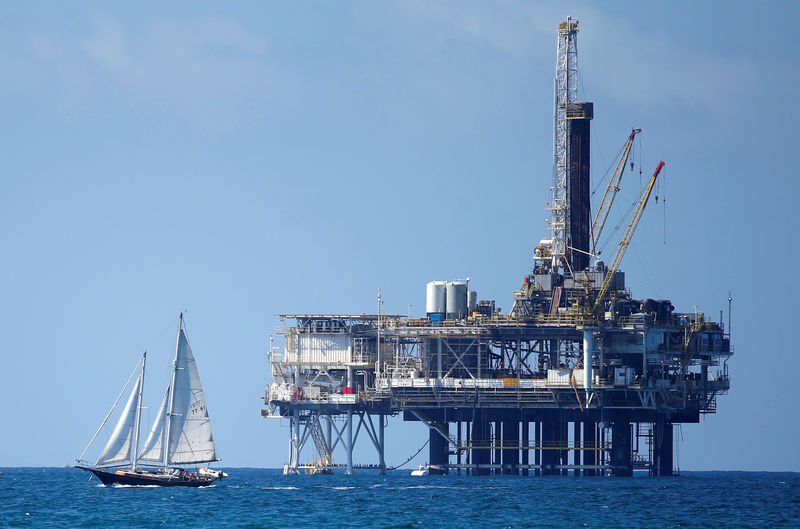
<point>180,435</point>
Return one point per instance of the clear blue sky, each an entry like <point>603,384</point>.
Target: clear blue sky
<point>267,157</point>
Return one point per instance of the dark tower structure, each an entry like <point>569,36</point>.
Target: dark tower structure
<point>579,115</point>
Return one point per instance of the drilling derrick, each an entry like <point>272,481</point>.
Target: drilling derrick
<point>570,206</point>
<point>578,378</point>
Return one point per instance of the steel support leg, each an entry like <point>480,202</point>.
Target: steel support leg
<point>663,447</point>
<point>562,441</point>
<point>296,445</point>
<point>294,440</point>
<point>458,442</point>
<point>480,452</point>
<point>576,443</point>
<point>537,440</point>
<point>550,434</point>
<point>589,443</point>
<point>329,431</point>
<point>349,446</point>
<point>526,444</point>
<point>498,443</point>
<point>510,452</point>
<point>621,463</point>
<point>437,450</point>
<point>381,445</point>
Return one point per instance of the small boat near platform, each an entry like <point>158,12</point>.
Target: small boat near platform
<point>422,470</point>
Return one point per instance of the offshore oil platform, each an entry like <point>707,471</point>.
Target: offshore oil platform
<point>579,378</point>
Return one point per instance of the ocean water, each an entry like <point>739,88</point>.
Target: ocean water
<point>255,498</point>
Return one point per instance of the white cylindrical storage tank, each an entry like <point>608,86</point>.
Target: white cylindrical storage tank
<point>472,302</point>
<point>456,299</point>
<point>436,297</point>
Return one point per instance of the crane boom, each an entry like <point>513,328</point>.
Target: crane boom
<point>626,238</point>
<point>611,192</point>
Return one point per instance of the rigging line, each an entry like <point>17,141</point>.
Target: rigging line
<point>135,369</point>
<point>644,269</point>
<point>664,205</point>
<point>616,228</point>
<point>622,220</point>
<point>597,148</point>
<point>641,152</point>
<point>410,458</point>
<point>608,170</point>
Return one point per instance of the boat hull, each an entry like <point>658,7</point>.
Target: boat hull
<point>146,478</point>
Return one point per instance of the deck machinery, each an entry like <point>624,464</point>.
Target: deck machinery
<point>577,378</point>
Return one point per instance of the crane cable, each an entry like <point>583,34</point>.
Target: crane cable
<point>664,205</point>
<point>606,173</point>
<point>634,154</point>
<point>410,458</point>
<point>616,228</point>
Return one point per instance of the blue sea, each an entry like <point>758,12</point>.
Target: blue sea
<point>255,498</point>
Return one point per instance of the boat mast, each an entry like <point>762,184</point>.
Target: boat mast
<point>172,393</point>
<point>138,420</point>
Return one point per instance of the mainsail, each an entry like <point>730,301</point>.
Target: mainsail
<point>190,439</point>
<point>119,447</point>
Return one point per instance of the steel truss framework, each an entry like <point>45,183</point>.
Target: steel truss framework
<point>510,389</point>
<point>328,428</point>
<point>565,92</point>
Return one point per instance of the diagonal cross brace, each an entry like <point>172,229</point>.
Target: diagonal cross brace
<point>436,426</point>
<point>459,359</point>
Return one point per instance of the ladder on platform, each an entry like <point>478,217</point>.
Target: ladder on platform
<point>324,450</point>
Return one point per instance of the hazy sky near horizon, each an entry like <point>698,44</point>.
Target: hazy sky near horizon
<point>246,160</point>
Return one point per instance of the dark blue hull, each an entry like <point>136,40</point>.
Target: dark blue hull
<point>147,478</point>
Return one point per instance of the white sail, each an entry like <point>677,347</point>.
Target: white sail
<point>153,449</point>
<point>190,439</point>
<point>119,446</point>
